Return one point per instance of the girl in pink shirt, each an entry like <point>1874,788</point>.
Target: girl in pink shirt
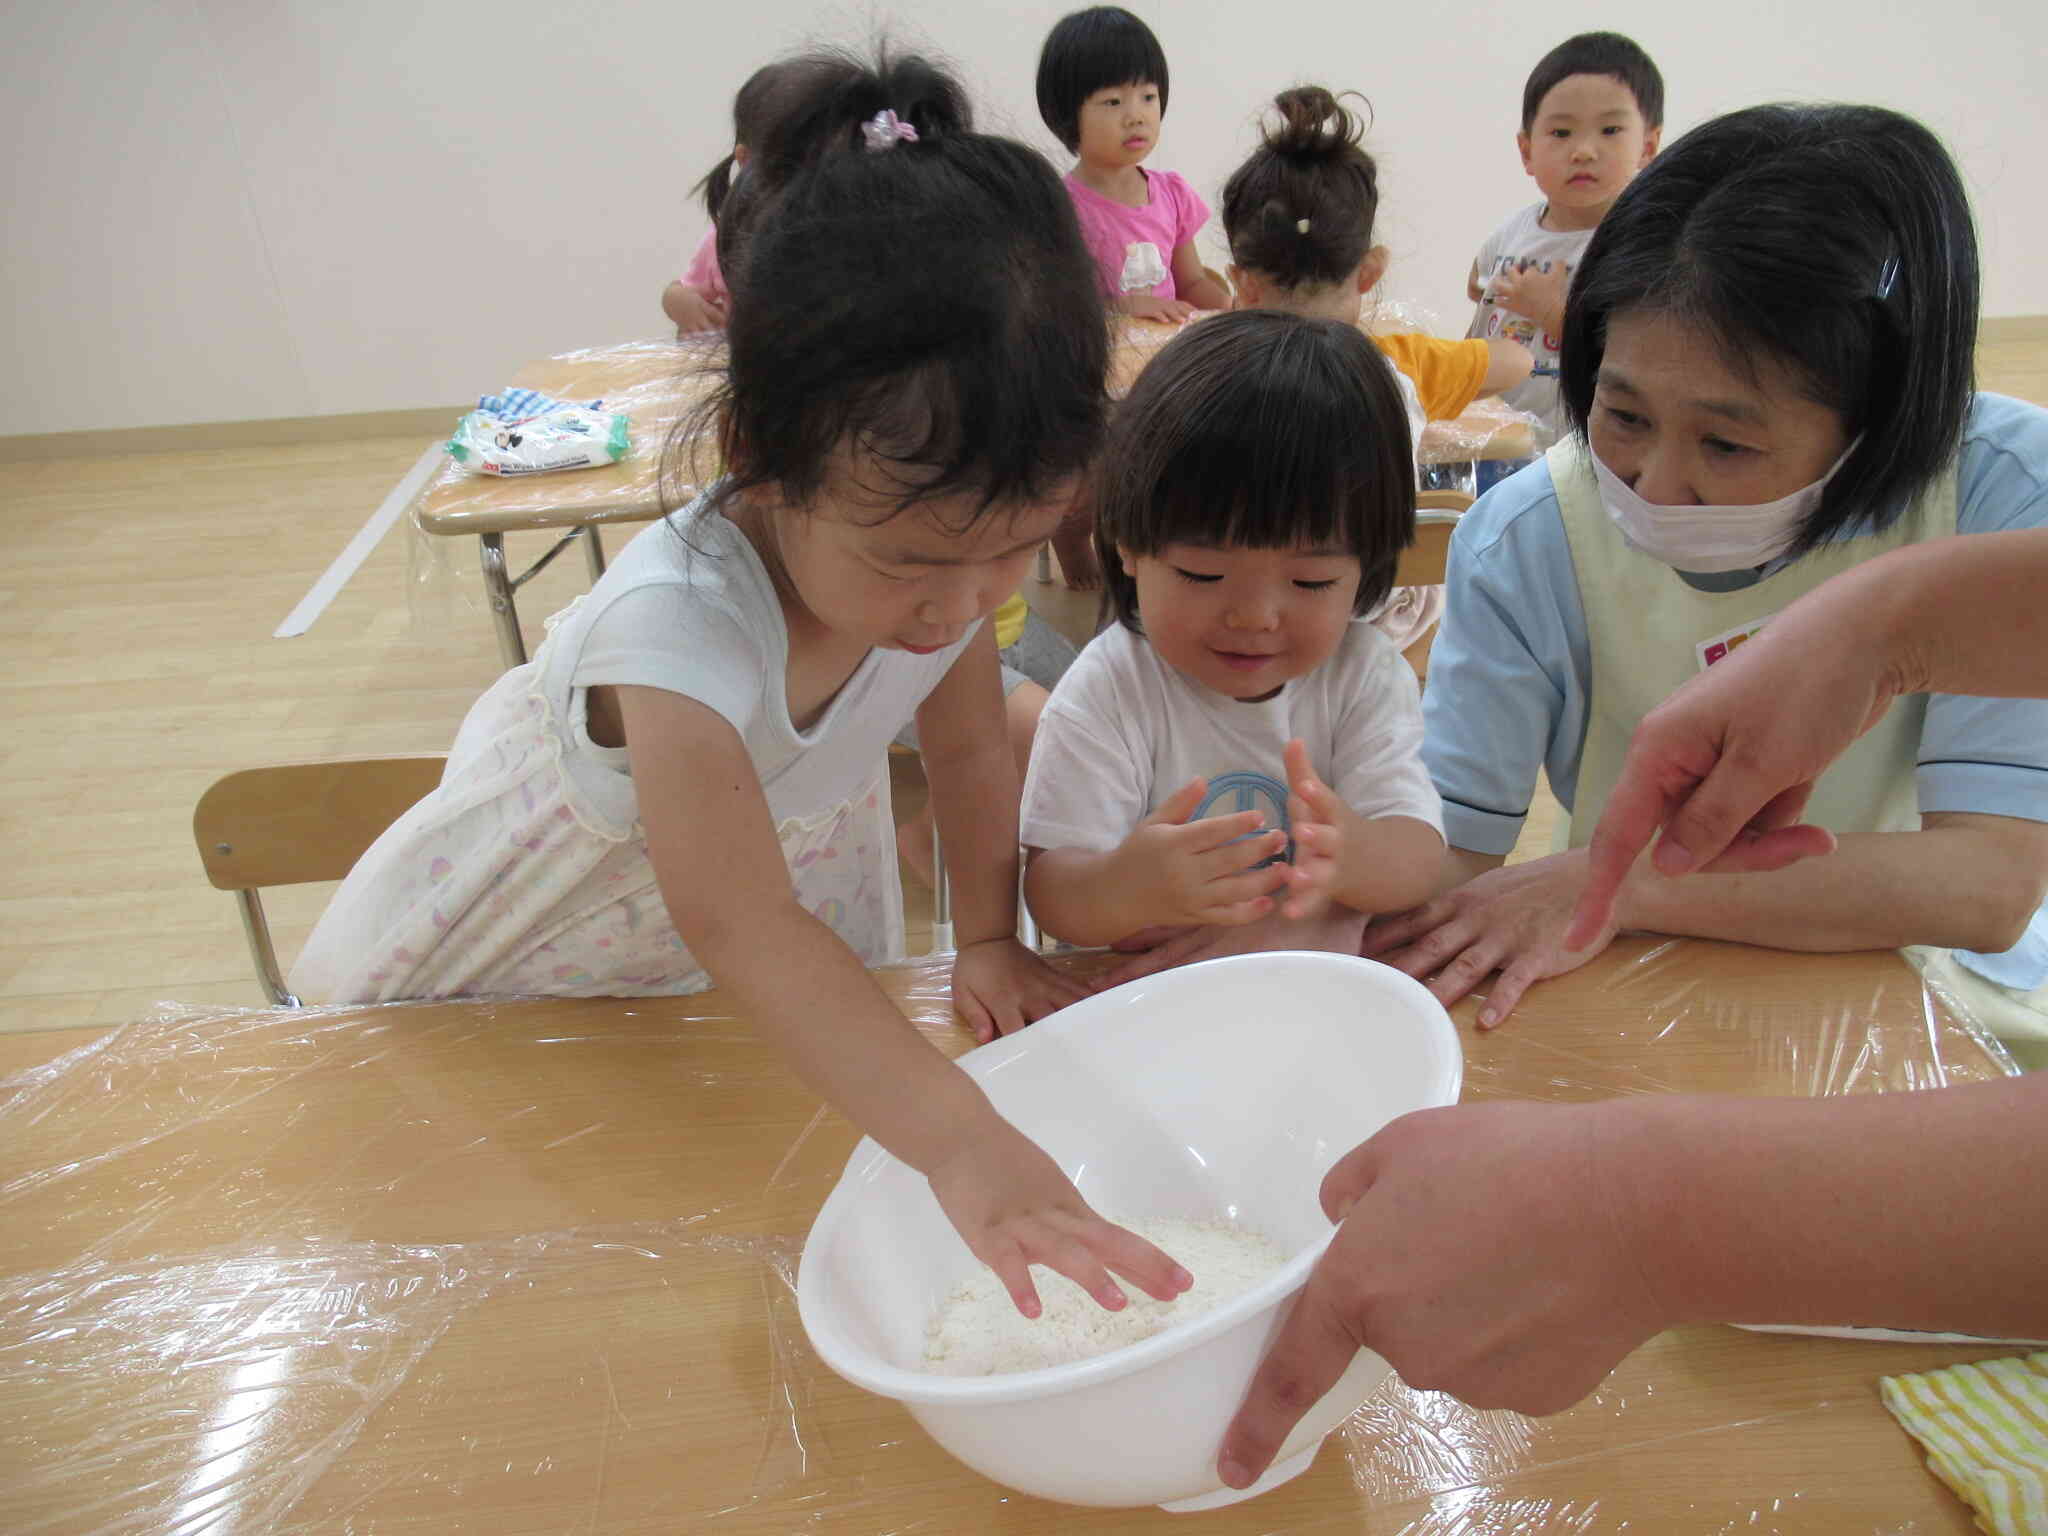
<point>699,299</point>
<point>1102,91</point>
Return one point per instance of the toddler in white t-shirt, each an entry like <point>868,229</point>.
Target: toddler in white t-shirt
<point>1592,115</point>
<point>1235,764</point>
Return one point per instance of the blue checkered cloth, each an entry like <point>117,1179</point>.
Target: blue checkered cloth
<point>524,404</point>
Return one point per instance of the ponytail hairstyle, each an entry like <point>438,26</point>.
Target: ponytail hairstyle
<point>1259,429</point>
<point>1300,211</point>
<point>1835,241</point>
<point>768,92</point>
<point>905,287</point>
<point>752,107</point>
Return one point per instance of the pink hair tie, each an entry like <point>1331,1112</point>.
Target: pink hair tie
<point>885,130</point>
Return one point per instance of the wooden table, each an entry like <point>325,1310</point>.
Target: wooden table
<point>657,383</point>
<point>525,1267</point>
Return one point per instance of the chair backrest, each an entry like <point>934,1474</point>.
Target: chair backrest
<point>299,822</point>
<point>1436,514</point>
<point>296,822</point>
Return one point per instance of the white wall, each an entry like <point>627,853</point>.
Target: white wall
<point>233,209</point>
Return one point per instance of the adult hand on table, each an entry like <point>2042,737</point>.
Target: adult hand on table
<point>1481,1253</point>
<point>1511,919</point>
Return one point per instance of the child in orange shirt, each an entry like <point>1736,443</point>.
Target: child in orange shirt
<point>1299,217</point>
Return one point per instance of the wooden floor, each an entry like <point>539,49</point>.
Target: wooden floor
<point>138,599</point>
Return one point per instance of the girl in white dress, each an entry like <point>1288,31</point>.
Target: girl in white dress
<point>688,782</point>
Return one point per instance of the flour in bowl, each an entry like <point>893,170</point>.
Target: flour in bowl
<point>979,1331</point>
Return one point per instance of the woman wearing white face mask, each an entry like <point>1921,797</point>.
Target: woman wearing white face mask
<point>1767,360</point>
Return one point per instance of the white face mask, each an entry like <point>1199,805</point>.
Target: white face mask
<point>1710,539</point>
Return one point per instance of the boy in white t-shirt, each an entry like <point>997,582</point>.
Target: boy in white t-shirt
<point>1236,764</point>
<point>1592,113</point>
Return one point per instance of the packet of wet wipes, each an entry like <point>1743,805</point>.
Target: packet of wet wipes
<point>558,435</point>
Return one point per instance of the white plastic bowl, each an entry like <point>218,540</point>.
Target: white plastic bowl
<point>1219,1091</point>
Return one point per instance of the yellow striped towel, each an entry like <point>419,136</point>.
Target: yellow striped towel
<point>1985,1427</point>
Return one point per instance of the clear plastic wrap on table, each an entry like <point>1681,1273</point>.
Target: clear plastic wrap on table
<point>656,384</point>
<point>659,383</point>
<point>1489,428</point>
<point>528,1266</point>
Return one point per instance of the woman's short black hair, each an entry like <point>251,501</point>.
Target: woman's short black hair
<point>930,302</point>
<point>1300,211</point>
<point>1089,51</point>
<point>1259,429</point>
<point>1597,53</point>
<point>1833,240</point>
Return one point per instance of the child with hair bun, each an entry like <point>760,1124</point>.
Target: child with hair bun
<point>688,783</point>
<point>1299,214</point>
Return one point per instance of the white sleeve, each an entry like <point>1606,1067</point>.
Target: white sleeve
<point>675,638</point>
<point>1489,254</point>
<point>1482,265</point>
<point>1376,761</point>
<point>1086,787</point>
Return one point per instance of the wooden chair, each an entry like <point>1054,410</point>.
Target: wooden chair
<point>296,823</point>
<point>1422,563</point>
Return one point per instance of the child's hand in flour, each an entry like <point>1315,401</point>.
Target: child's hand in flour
<point>1014,1208</point>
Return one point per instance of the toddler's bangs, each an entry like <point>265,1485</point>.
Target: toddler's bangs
<point>1240,495</point>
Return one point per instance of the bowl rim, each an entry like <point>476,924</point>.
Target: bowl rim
<point>929,1388</point>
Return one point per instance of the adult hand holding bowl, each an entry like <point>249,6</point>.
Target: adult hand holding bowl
<point>1218,1093</point>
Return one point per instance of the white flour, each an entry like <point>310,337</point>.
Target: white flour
<point>978,1330</point>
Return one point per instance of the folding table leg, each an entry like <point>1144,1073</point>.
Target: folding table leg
<point>504,612</point>
<point>1027,925</point>
<point>942,898</point>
